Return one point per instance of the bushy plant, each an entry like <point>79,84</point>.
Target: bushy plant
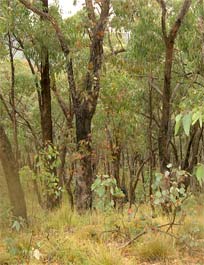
<point>48,162</point>
<point>106,190</point>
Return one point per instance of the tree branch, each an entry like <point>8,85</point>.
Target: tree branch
<point>90,9</point>
<point>177,24</point>
<point>163,18</point>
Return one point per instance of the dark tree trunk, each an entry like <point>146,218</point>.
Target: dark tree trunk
<point>151,152</point>
<point>116,165</point>
<point>83,192</point>
<point>45,100</point>
<point>84,101</point>
<point>45,92</point>
<point>164,134</point>
<point>12,100</point>
<point>45,106</point>
<point>10,169</point>
<point>169,41</point>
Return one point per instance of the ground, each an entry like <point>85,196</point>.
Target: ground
<point>99,238</point>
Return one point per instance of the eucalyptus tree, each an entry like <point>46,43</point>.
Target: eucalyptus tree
<point>11,172</point>
<point>37,57</point>
<point>85,96</point>
<point>169,39</point>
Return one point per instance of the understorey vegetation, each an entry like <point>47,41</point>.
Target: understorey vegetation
<point>101,132</point>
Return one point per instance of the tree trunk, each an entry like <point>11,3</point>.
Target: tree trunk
<point>10,168</point>
<point>45,100</point>
<point>83,194</point>
<point>116,165</point>
<point>84,103</point>
<point>151,153</point>
<point>13,102</point>
<point>164,134</point>
<point>169,41</point>
<point>45,106</point>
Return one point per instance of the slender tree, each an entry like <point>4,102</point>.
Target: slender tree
<point>169,41</point>
<point>10,169</point>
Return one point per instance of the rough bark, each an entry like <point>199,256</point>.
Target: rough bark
<point>45,106</point>
<point>169,40</point>
<point>10,169</point>
<point>12,100</point>
<point>85,101</point>
<point>116,155</point>
<point>83,192</point>
<point>150,142</point>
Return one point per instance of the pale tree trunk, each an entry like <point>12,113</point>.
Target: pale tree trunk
<point>10,169</point>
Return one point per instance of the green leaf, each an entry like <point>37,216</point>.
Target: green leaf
<point>182,191</point>
<point>158,194</point>
<point>157,201</point>
<point>178,123</point>
<point>101,191</point>
<point>196,116</point>
<point>16,225</point>
<point>200,174</point>
<point>187,123</point>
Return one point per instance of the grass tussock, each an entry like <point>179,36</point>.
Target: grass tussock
<point>103,255</point>
<point>63,237</point>
<point>155,249</point>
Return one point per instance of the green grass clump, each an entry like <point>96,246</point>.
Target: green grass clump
<point>194,229</point>
<point>64,249</point>
<point>156,249</point>
<point>102,255</point>
<point>6,258</point>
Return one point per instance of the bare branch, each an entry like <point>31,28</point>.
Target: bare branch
<point>5,106</point>
<point>163,18</point>
<point>90,9</point>
<point>55,25</point>
<point>177,24</point>
<point>68,113</point>
<point>174,30</point>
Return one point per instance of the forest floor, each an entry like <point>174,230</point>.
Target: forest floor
<point>62,237</point>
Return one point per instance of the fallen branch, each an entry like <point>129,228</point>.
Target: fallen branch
<point>152,229</point>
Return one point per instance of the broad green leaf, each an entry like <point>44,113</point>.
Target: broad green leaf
<point>200,173</point>
<point>196,116</point>
<point>178,123</point>
<point>101,191</point>
<point>16,225</point>
<point>182,191</point>
<point>187,123</point>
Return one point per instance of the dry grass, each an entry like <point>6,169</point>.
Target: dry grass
<point>155,248</point>
<point>65,238</point>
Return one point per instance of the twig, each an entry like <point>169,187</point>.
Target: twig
<point>143,232</point>
<point>133,239</point>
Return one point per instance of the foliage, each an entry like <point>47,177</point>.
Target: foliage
<point>107,191</point>
<point>172,195</point>
<point>48,162</point>
<point>127,123</point>
<point>200,173</point>
<point>187,120</point>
